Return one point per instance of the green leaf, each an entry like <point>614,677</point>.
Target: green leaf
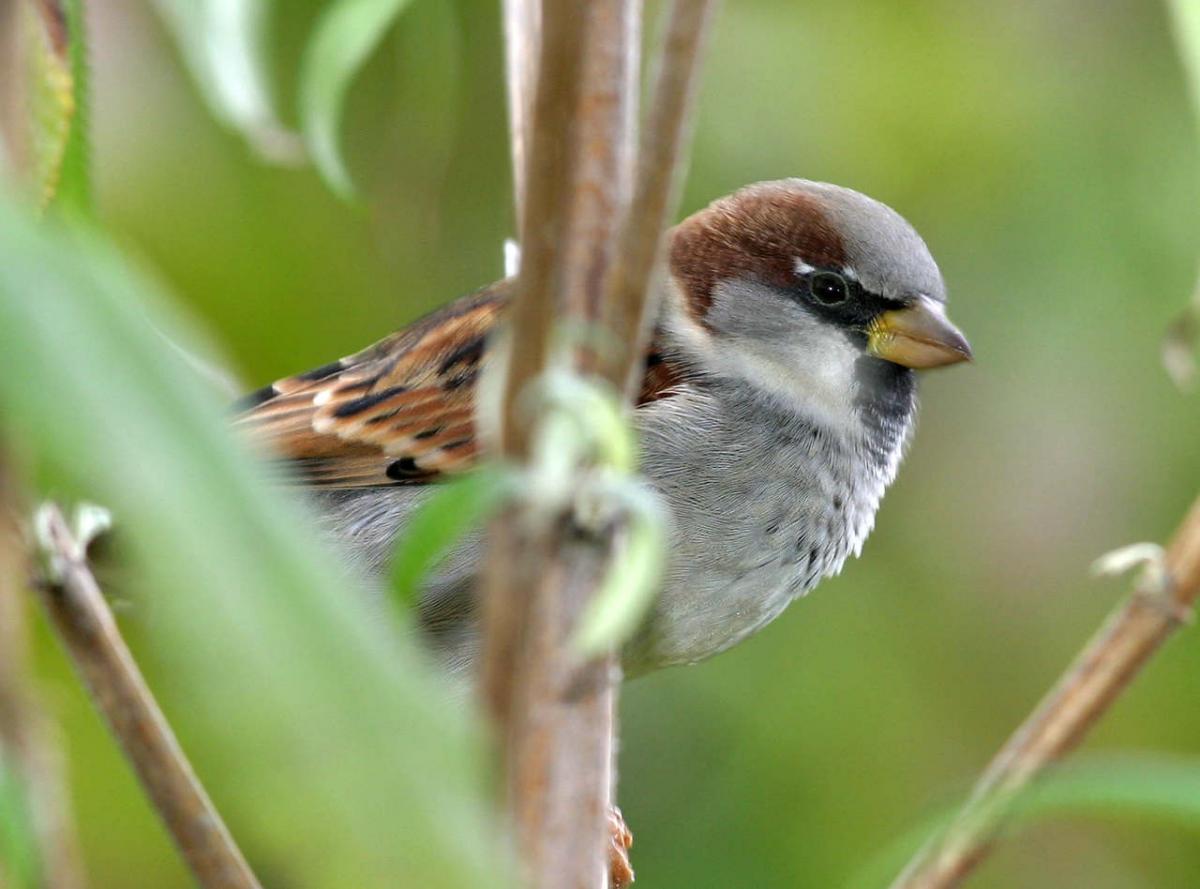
<point>426,96</point>
<point>58,82</point>
<point>334,749</point>
<point>1183,335</point>
<point>1185,17</point>
<point>224,45</point>
<point>453,510</point>
<point>633,578</point>
<point>19,859</point>
<point>1139,787</point>
<point>346,34</point>
<point>75,187</point>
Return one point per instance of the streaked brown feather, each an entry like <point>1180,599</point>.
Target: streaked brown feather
<point>401,411</point>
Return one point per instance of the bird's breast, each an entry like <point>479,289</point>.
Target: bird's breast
<point>765,505</point>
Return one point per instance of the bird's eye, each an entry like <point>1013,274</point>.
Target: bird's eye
<point>828,288</point>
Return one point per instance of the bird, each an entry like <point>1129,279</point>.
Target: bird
<point>777,402</point>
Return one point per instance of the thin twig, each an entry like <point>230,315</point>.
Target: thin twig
<point>28,737</point>
<point>1060,723</point>
<point>661,162</point>
<point>85,624</point>
<point>522,30</point>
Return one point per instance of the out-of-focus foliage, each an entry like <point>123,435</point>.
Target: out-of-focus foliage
<point>341,739</point>
<point>344,37</point>
<point>1186,17</point>
<point>56,38</point>
<point>582,424</point>
<point>1183,334</point>
<point>1142,788</point>
<point>19,865</point>
<point>224,43</point>
<point>452,511</point>
<point>1047,153</point>
<point>628,589</point>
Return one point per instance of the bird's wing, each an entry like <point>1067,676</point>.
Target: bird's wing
<point>401,412</point>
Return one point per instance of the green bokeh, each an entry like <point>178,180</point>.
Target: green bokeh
<point>1047,152</point>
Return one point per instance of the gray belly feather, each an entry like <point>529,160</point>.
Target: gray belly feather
<point>765,504</point>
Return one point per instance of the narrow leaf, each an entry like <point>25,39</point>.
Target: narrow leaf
<point>1185,18</point>
<point>19,860</point>
<point>1180,342</point>
<point>629,588</point>
<point>326,717</point>
<point>1183,334</point>
<point>224,45</point>
<point>346,34</point>
<point>452,511</point>
<point>1138,787</point>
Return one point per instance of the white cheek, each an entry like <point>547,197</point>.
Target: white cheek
<point>805,364</point>
<point>813,374</point>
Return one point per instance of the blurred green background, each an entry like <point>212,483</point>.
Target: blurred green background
<point>1047,152</point>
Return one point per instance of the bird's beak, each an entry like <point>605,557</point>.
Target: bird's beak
<point>918,336</point>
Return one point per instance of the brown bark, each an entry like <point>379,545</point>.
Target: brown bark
<point>578,218</point>
<point>84,623</point>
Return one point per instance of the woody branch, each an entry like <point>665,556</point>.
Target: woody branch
<point>1158,605</point>
<point>582,201</point>
<point>83,622</point>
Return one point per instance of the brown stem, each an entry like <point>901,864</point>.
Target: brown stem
<point>604,162</point>
<point>82,619</point>
<point>1062,720</point>
<point>522,36</point>
<point>629,299</point>
<point>545,213</point>
<point>53,16</point>
<point>580,214</point>
<point>557,744</point>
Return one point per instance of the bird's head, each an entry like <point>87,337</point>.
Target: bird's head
<point>809,290</point>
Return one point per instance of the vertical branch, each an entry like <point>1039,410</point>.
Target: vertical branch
<point>522,37</point>
<point>558,750</point>
<point>605,124</point>
<point>545,213</point>
<point>590,234</point>
<point>27,737</point>
<point>662,160</point>
<point>1089,687</point>
<point>86,627</point>
<point>571,190</point>
<point>583,746</point>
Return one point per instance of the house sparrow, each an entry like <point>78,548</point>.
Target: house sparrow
<point>776,405</point>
